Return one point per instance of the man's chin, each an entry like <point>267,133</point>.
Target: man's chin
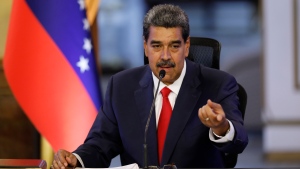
<point>166,80</point>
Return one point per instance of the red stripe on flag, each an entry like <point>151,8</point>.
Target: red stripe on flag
<point>44,83</point>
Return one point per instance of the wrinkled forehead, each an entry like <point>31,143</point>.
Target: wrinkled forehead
<point>163,34</point>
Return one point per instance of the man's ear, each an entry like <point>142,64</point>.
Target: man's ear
<point>145,48</point>
<point>187,47</point>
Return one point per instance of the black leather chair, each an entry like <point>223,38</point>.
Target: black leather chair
<point>206,51</point>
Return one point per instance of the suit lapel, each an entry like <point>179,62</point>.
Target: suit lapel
<point>184,106</point>
<point>143,98</point>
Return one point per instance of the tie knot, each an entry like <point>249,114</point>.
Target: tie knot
<point>165,92</point>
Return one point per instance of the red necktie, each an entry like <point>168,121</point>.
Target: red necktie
<point>164,119</point>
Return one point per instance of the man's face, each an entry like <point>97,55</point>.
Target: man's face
<point>166,50</point>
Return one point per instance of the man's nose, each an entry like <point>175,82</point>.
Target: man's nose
<point>165,54</point>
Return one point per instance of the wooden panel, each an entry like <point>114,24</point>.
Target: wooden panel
<point>282,156</point>
<point>18,137</point>
<point>23,163</point>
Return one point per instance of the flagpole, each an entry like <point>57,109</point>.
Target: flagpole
<point>92,8</point>
<point>46,151</point>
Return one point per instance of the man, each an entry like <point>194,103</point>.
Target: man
<point>205,122</point>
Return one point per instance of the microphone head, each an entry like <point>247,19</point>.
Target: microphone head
<point>162,74</point>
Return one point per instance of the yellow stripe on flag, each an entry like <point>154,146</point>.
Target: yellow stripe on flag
<point>46,151</point>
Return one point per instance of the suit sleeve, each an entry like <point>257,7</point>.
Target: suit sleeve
<point>103,141</point>
<point>227,97</point>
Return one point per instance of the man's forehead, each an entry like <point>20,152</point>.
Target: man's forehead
<point>160,34</point>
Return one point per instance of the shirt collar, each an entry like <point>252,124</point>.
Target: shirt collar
<point>175,87</point>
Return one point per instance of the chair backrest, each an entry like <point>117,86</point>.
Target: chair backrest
<point>242,94</point>
<point>205,51</point>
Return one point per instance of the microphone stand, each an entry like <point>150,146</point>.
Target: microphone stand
<point>162,74</point>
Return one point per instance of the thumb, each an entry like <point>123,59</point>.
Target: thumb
<point>72,160</point>
<point>219,117</point>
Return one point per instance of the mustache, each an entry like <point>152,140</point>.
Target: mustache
<point>167,63</point>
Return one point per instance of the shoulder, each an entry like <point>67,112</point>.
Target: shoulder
<point>132,71</point>
<point>204,72</point>
<point>210,77</point>
<point>214,73</point>
<point>218,78</point>
<point>135,73</point>
<point>131,76</point>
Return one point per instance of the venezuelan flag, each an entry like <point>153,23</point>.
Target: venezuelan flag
<point>50,67</point>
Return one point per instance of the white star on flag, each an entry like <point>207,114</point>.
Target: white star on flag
<point>83,64</point>
<point>86,24</point>
<point>87,45</point>
<point>81,4</point>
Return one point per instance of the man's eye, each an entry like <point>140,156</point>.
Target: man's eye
<point>155,46</point>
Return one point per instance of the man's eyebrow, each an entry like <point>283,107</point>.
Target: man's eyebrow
<point>155,41</point>
<point>176,41</point>
<point>159,42</point>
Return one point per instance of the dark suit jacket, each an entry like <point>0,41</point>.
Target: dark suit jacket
<point>120,125</point>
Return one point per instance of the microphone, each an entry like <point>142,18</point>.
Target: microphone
<point>162,74</point>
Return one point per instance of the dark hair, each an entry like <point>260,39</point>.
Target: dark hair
<point>168,16</point>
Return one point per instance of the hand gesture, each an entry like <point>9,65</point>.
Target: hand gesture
<point>63,159</point>
<point>213,116</point>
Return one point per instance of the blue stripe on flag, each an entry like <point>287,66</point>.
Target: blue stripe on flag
<point>63,20</point>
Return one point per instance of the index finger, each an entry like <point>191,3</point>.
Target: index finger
<point>214,106</point>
